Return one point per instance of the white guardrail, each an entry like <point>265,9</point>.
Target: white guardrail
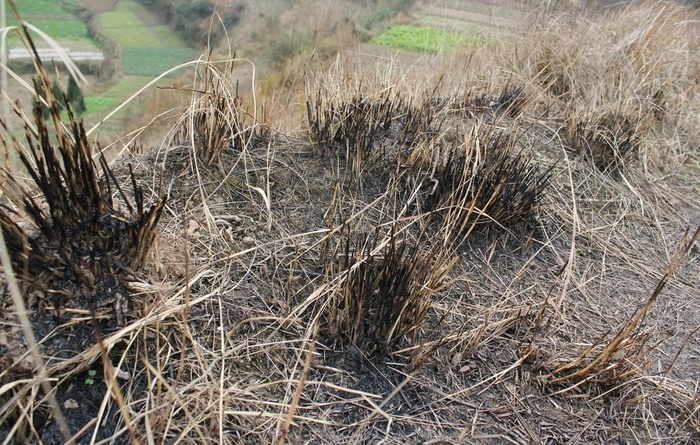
<point>47,54</point>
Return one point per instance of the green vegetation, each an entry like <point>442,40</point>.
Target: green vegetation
<point>153,61</point>
<point>74,96</point>
<point>48,16</point>
<point>423,38</point>
<point>129,25</point>
<point>148,48</point>
<point>95,104</point>
<point>68,28</point>
<point>90,380</point>
<point>44,7</point>
<point>126,86</point>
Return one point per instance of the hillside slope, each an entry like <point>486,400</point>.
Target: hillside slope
<point>491,245</point>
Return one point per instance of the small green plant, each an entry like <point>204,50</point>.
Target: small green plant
<point>91,377</point>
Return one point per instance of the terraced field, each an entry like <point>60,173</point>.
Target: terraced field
<point>485,18</point>
<point>149,47</point>
<point>50,17</point>
<point>465,22</point>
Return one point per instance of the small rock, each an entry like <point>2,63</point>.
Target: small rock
<point>192,227</point>
<point>27,363</point>
<point>71,404</point>
<point>124,375</point>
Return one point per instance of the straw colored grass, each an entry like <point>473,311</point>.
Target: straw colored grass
<point>431,262</point>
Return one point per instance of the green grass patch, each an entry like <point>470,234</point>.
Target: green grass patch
<point>38,7</point>
<point>153,61</point>
<point>133,27</point>
<point>58,29</point>
<point>423,38</point>
<point>95,104</point>
<point>126,86</point>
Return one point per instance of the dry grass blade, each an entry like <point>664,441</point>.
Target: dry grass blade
<point>300,388</point>
<point>622,356</point>
<point>216,119</point>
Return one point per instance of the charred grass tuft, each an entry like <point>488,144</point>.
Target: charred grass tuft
<point>75,235</point>
<point>610,141</point>
<point>386,290</point>
<point>71,219</point>
<point>217,119</point>
<point>368,130</point>
<point>480,178</point>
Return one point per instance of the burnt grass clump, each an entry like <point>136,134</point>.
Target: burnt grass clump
<point>218,119</point>
<point>78,224</point>
<point>75,235</point>
<point>511,101</point>
<point>610,141</point>
<point>479,176</point>
<point>369,132</point>
<point>385,292</point>
<point>383,277</point>
<point>482,179</point>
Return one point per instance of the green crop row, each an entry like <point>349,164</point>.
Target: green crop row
<point>37,7</point>
<point>68,28</point>
<point>422,38</point>
<point>127,26</point>
<point>93,104</point>
<point>153,61</point>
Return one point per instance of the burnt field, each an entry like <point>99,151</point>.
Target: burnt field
<point>489,246</point>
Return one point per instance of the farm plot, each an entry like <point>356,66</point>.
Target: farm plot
<point>38,7</point>
<point>492,19</point>
<point>148,46</point>
<point>422,38</point>
<point>153,61</point>
<point>132,25</point>
<point>57,22</point>
<point>96,104</point>
<point>438,25</point>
